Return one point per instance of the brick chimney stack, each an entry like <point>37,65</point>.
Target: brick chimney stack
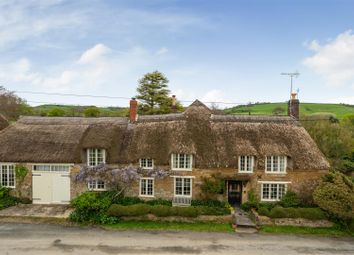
<point>293,106</point>
<point>133,111</point>
<point>174,106</point>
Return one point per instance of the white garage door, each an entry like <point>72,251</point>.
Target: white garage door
<point>51,184</point>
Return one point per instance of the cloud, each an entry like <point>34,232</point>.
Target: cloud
<point>342,100</point>
<point>333,61</point>
<point>162,51</point>
<point>24,20</point>
<point>94,54</point>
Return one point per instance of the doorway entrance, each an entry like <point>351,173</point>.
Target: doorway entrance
<point>234,192</point>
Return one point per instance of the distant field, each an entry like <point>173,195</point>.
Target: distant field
<point>339,110</point>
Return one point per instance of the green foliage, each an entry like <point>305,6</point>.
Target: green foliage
<point>161,210</point>
<point>12,106</point>
<point>21,172</point>
<point>335,194</point>
<point>56,112</point>
<point>92,112</point>
<point>190,211</point>
<point>290,199</point>
<point>263,211</point>
<point>5,199</point>
<point>252,202</point>
<point>279,110</point>
<point>215,184</point>
<point>266,205</point>
<point>153,93</point>
<point>159,201</point>
<point>210,203</point>
<point>129,210</point>
<point>306,213</point>
<point>206,210</point>
<point>128,201</point>
<point>92,207</point>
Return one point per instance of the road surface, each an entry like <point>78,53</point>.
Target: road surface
<point>54,239</point>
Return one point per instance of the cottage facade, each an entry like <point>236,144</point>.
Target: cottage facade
<point>267,154</point>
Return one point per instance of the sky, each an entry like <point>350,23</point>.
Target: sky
<point>230,51</point>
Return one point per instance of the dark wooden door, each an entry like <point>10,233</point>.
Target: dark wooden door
<point>234,192</point>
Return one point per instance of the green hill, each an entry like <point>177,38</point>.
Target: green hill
<point>339,110</point>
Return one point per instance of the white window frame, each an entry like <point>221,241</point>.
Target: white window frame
<point>248,161</point>
<point>189,168</point>
<point>183,178</point>
<point>51,167</point>
<point>96,156</point>
<point>278,198</point>
<point>272,171</point>
<point>141,163</point>
<point>95,184</point>
<point>147,179</point>
<point>8,165</point>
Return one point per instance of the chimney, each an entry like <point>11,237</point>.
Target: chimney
<point>133,111</point>
<point>293,106</point>
<point>174,107</point>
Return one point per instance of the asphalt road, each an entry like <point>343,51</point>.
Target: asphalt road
<point>52,239</point>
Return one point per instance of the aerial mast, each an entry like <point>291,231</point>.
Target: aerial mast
<point>292,75</point>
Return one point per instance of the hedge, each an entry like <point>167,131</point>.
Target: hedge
<point>306,213</point>
<point>163,210</point>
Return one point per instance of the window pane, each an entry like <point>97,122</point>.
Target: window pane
<point>265,191</point>
<point>150,187</point>
<point>142,186</point>
<point>149,163</point>
<point>282,164</point>
<point>273,191</point>
<point>178,186</point>
<point>282,190</point>
<point>269,163</point>
<point>181,161</point>
<point>275,164</point>
<point>100,185</point>
<point>188,161</point>
<point>187,187</point>
<point>11,173</point>
<point>175,160</point>
<point>242,163</point>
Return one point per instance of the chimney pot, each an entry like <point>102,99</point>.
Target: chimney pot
<point>174,107</point>
<point>133,110</point>
<point>294,106</point>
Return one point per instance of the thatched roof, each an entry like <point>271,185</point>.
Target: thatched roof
<point>214,140</point>
<point>3,122</point>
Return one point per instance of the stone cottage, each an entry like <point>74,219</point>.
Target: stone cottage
<point>268,154</point>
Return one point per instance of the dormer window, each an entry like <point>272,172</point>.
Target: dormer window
<point>276,164</point>
<point>181,162</point>
<point>96,156</point>
<point>146,163</point>
<point>245,164</point>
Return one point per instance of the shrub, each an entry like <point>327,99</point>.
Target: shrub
<point>91,207</point>
<point>161,210</point>
<point>268,206</point>
<point>206,210</point>
<point>306,213</point>
<point>263,211</point>
<point>209,203</point>
<point>127,201</point>
<point>252,201</point>
<point>189,211</point>
<point>159,202</point>
<point>278,212</point>
<point>215,184</point>
<point>290,199</point>
<point>5,199</point>
<point>335,194</point>
<point>129,210</point>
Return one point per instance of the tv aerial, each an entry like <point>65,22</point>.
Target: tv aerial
<point>291,75</point>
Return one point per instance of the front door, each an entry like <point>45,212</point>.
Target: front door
<point>234,192</point>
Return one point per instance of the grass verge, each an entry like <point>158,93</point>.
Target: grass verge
<point>177,226</point>
<point>332,231</point>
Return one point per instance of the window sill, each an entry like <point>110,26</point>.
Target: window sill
<point>280,173</point>
<point>182,196</point>
<point>270,200</point>
<point>245,172</point>
<point>147,196</point>
<point>182,169</point>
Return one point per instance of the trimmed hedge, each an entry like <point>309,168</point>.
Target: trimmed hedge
<point>306,213</point>
<point>163,210</point>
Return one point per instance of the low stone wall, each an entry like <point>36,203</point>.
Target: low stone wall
<point>300,222</point>
<point>201,218</point>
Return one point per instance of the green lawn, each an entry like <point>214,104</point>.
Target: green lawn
<point>179,226</point>
<point>339,110</point>
<point>332,231</point>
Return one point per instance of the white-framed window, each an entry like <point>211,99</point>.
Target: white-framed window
<point>51,168</point>
<point>182,162</point>
<point>7,175</point>
<point>96,185</point>
<point>273,191</point>
<point>146,163</point>
<point>146,187</point>
<point>275,164</point>
<point>246,164</point>
<point>183,187</point>
<point>96,156</point>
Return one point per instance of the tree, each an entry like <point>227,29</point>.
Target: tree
<point>56,112</point>
<point>12,106</point>
<point>153,92</point>
<point>335,194</point>
<point>92,112</point>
